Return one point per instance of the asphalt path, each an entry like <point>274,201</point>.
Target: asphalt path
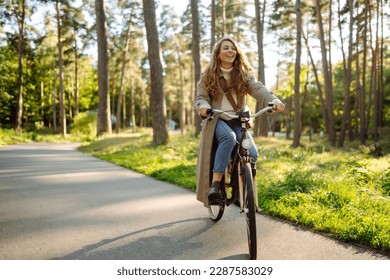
<point>58,203</point>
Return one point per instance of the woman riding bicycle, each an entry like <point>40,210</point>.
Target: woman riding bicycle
<point>224,85</point>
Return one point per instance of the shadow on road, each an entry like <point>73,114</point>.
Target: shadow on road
<point>150,247</point>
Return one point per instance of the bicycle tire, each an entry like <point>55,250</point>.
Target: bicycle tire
<point>216,211</point>
<point>250,212</point>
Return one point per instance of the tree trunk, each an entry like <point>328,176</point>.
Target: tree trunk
<point>306,102</point>
<point>261,123</point>
<point>159,123</point>
<point>124,58</point>
<point>288,117</point>
<point>350,59</point>
<point>76,74</point>
<point>381,77</point>
<point>223,7</point>
<point>213,19</point>
<point>330,45</point>
<point>347,66</point>
<point>42,104</point>
<point>357,80</point>
<point>61,73</point>
<point>181,91</point>
<point>371,87</point>
<point>20,18</point>
<point>104,114</point>
<point>319,87</point>
<point>113,87</point>
<point>192,116</point>
<point>363,131</point>
<point>68,98</point>
<point>377,99</point>
<point>54,105</point>
<point>327,79</point>
<point>196,55</point>
<point>297,72</point>
<point>132,106</point>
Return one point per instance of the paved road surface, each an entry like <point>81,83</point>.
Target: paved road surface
<point>57,203</point>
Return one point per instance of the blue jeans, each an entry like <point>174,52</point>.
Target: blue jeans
<point>226,139</point>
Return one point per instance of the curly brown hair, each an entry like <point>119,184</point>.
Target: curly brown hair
<point>241,69</point>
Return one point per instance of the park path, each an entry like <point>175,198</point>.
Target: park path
<point>58,203</point>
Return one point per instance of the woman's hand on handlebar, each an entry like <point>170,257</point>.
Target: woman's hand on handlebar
<point>279,105</point>
<point>276,106</point>
<point>203,112</point>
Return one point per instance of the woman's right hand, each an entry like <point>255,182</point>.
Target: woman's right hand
<point>203,112</point>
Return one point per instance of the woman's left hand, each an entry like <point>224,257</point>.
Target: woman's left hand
<point>279,105</point>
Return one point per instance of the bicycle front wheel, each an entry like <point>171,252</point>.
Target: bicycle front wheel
<point>216,211</point>
<point>250,212</point>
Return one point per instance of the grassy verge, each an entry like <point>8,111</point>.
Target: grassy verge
<point>344,192</point>
<point>9,136</point>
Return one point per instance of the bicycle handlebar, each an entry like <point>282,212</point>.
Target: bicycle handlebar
<point>270,108</point>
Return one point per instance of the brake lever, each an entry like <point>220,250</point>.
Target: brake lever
<point>272,107</point>
<point>210,114</point>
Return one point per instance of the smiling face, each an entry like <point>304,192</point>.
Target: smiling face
<point>227,54</point>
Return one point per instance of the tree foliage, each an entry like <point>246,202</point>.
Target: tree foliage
<point>357,81</point>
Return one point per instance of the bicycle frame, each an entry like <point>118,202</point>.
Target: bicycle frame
<point>241,157</point>
<point>238,161</point>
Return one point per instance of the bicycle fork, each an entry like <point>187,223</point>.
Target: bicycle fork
<point>241,173</point>
<point>254,186</point>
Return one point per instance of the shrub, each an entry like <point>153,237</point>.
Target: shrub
<point>84,123</point>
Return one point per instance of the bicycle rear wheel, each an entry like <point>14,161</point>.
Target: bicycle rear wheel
<point>216,211</point>
<point>250,212</point>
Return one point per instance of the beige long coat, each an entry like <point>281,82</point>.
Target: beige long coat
<point>207,145</point>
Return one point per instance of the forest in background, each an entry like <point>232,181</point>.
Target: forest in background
<point>332,64</point>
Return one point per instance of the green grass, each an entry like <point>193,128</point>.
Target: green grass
<point>345,193</point>
<point>342,192</point>
<point>9,136</point>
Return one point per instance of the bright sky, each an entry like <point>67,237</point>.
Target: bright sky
<point>179,6</point>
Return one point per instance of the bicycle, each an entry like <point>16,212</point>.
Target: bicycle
<point>239,187</point>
